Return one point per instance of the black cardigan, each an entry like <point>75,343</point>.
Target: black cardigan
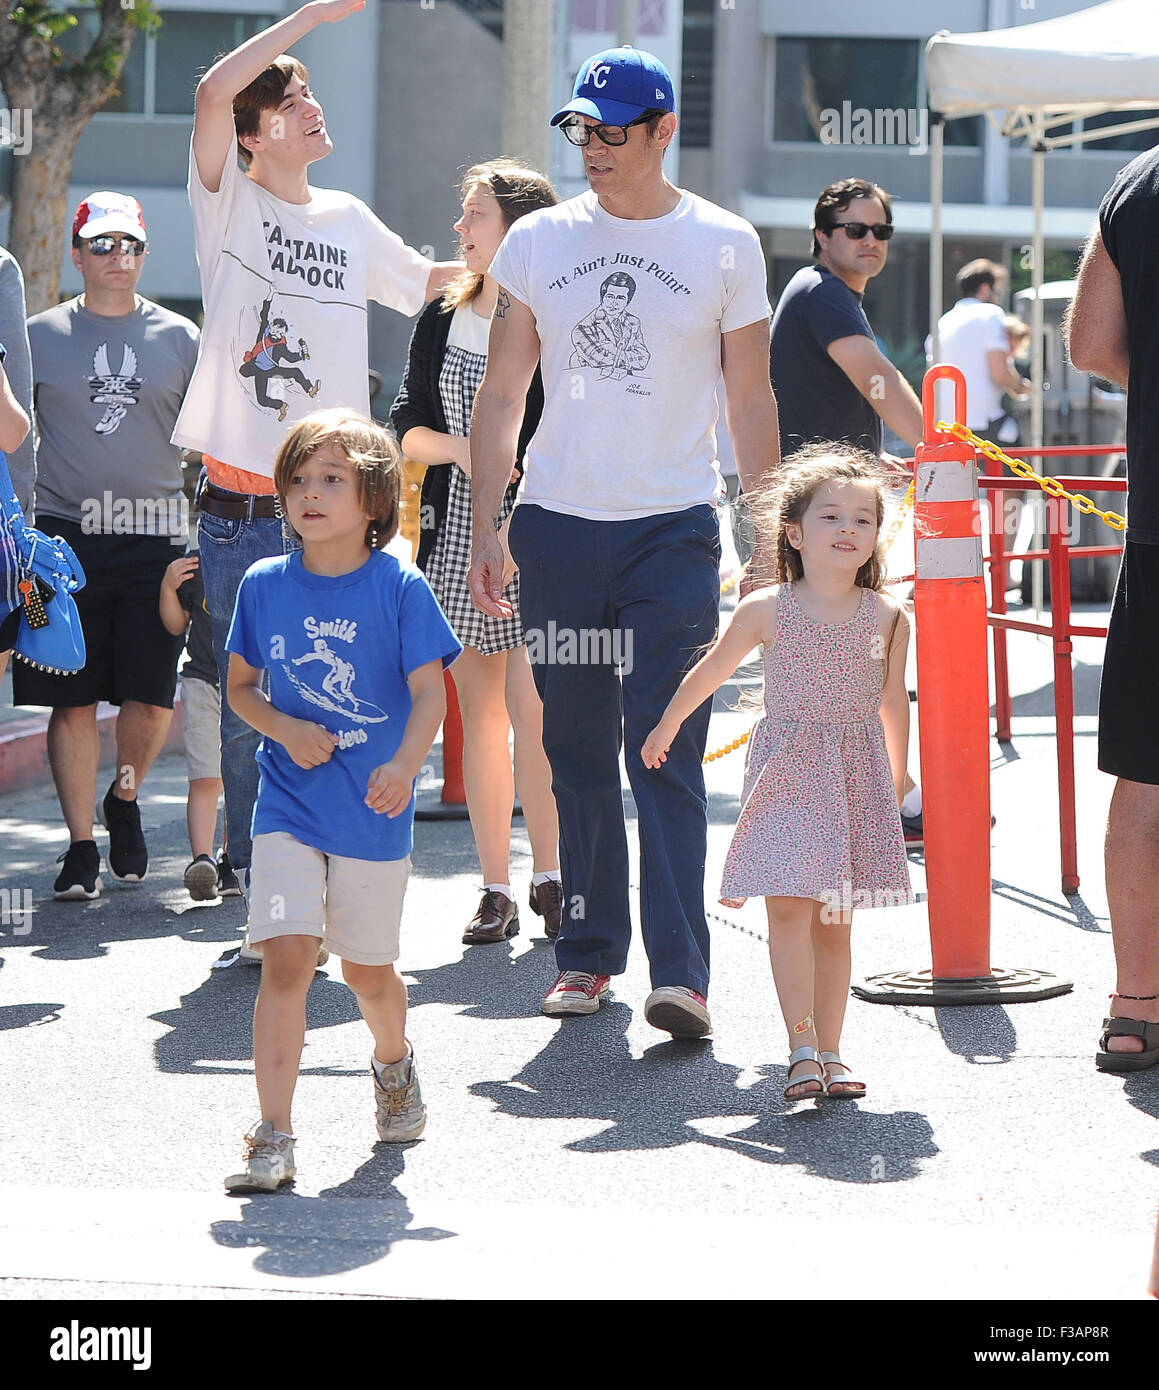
<point>419,403</point>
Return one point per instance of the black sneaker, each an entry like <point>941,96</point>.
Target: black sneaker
<point>227,884</point>
<point>201,879</point>
<point>128,858</point>
<point>80,877</point>
<point>913,832</point>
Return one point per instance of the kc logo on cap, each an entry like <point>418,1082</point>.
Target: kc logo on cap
<point>618,85</point>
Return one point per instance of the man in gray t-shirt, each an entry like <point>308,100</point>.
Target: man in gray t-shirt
<point>109,370</point>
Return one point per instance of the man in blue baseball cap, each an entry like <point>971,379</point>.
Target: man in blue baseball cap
<point>615,528</point>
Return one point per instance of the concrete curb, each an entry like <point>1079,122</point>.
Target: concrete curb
<point>24,746</point>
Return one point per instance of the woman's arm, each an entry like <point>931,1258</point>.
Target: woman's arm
<point>13,421</point>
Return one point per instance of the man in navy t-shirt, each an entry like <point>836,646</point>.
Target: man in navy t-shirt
<point>830,378</point>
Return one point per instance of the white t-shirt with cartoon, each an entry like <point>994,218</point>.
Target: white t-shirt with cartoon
<point>285,288</point>
<point>629,315</point>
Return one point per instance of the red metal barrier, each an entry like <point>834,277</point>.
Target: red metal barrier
<point>1060,629</point>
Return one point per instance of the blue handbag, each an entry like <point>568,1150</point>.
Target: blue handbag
<point>50,636</point>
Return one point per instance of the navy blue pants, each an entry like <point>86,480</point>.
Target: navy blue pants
<point>644,593</point>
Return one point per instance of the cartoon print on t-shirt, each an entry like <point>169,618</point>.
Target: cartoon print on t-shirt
<point>117,391</point>
<point>264,361</point>
<point>335,693</point>
<point>609,337</point>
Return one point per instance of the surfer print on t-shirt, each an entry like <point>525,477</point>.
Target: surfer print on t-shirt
<point>335,693</point>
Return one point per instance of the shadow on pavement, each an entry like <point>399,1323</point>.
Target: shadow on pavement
<point>678,1093</point>
<point>1142,1090</point>
<point>490,981</point>
<point>215,1022</point>
<point>979,1034</point>
<point>305,1237</point>
<point>84,930</point>
<point>28,1015</point>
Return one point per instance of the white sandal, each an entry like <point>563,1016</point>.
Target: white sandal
<point>806,1054</point>
<point>832,1059</point>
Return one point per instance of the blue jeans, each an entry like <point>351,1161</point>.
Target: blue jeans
<point>228,547</point>
<point>653,586</point>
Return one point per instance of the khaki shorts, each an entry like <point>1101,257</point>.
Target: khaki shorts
<point>354,905</point>
<point>201,727</point>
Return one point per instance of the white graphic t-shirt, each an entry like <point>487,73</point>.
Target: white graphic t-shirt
<point>285,287</point>
<point>629,315</point>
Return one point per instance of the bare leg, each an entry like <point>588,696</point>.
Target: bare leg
<point>141,731</point>
<point>791,956</point>
<point>201,814</point>
<point>830,932</point>
<point>381,996</point>
<point>487,775</point>
<point>280,1022</point>
<point>74,755</point>
<point>1131,857</point>
<point>532,770</point>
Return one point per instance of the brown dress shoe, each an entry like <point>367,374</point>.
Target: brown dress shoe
<point>546,901</point>
<point>496,920</point>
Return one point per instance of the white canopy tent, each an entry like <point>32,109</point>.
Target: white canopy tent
<point>1028,81</point>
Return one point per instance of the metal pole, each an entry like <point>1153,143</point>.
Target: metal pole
<point>527,81</point>
<point>627,22</point>
<point>936,134</point>
<point>1038,189</point>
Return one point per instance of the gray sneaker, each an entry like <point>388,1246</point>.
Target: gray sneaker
<point>269,1161</point>
<point>398,1098</point>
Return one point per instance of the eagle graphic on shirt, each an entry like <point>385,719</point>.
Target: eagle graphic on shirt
<point>116,391</point>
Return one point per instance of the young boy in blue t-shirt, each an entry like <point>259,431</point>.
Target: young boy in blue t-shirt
<point>353,645</point>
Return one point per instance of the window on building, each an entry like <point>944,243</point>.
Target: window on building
<point>855,91</point>
<point>1134,142</point>
<point>162,69</point>
<point>698,52</point>
<point>603,16</point>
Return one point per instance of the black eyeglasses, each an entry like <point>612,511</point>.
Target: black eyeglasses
<point>104,245</point>
<point>855,231</point>
<point>580,134</point>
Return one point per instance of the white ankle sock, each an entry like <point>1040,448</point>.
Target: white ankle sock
<point>548,876</point>
<point>504,888</point>
<point>911,804</point>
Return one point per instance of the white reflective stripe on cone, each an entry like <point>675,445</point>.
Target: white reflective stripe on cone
<point>945,480</point>
<point>953,558</point>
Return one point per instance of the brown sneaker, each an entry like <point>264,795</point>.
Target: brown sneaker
<point>546,901</point>
<point>496,920</point>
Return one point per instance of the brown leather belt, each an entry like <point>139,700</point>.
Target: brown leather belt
<point>234,505</point>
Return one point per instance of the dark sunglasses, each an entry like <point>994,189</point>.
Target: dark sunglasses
<point>882,231</point>
<point>580,134</point>
<point>104,245</point>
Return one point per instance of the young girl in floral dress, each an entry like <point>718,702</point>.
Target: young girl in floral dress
<point>819,829</point>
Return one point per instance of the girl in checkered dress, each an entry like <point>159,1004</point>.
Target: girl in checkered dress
<point>432,418</point>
